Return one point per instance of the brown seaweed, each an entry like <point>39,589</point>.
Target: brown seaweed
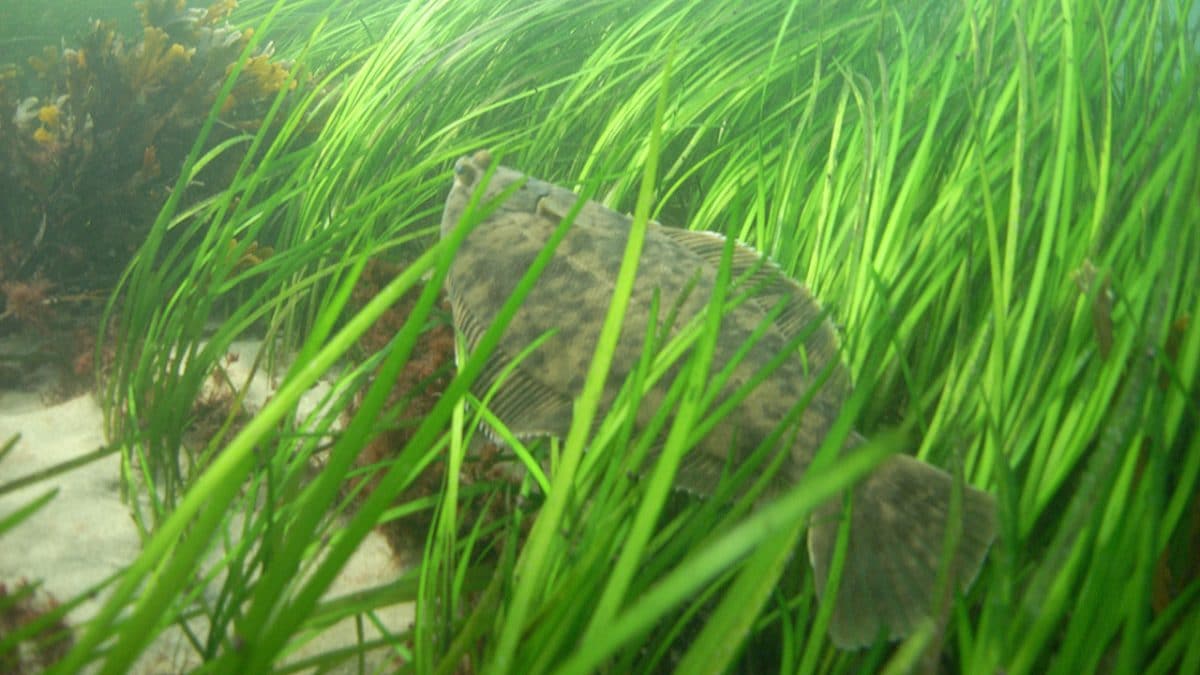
<point>92,138</point>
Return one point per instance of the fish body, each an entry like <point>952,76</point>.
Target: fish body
<point>900,512</point>
<point>572,296</point>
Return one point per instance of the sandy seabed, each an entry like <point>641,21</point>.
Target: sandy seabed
<point>86,533</point>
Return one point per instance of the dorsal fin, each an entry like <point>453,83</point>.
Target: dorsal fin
<point>769,285</point>
<point>525,403</point>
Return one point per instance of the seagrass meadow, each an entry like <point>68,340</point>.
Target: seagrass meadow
<point>998,202</point>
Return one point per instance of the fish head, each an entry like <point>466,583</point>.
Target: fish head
<point>470,171</point>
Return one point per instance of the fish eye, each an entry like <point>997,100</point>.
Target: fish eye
<point>464,171</point>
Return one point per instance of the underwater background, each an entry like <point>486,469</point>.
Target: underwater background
<point>997,201</point>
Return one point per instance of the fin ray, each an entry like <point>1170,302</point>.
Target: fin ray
<point>899,521</point>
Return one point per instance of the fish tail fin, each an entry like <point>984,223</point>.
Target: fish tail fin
<point>899,520</point>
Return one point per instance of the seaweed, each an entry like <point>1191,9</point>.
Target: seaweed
<point>92,137</point>
<point>419,386</point>
<point>33,635</point>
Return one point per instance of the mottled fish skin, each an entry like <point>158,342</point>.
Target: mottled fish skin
<point>901,512</point>
<point>572,296</point>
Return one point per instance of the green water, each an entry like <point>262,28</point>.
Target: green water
<point>26,27</point>
<point>994,200</point>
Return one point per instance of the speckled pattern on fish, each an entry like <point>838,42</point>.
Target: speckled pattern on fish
<point>901,510</point>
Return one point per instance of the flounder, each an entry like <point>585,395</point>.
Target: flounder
<point>900,511</point>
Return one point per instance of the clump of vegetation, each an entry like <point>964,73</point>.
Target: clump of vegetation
<point>417,389</point>
<point>27,302</point>
<point>33,633</point>
<point>92,137</point>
